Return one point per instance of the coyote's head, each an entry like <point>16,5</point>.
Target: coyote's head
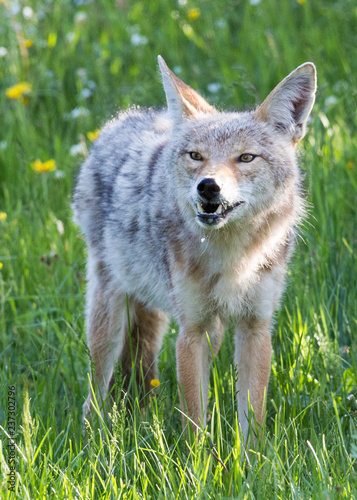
<point>231,166</point>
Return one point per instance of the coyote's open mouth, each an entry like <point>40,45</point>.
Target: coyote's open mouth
<point>212,213</point>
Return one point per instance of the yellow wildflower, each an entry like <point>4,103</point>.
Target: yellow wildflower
<point>52,40</point>
<point>28,43</point>
<point>193,13</point>
<point>154,382</point>
<point>301,2</point>
<point>92,136</point>
<point>48,166</point>
<point>17,91</point>
<point>1,264</point>
<point>3,215</point>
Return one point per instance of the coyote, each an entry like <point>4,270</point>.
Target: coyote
<point>192,212</point>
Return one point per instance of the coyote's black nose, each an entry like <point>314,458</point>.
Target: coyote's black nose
<point>208,188</point>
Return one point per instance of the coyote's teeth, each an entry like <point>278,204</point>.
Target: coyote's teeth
<point>199,208</point>
<point>219,209</point>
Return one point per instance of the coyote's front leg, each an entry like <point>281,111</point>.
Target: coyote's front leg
<point>193,355</point>
<point>253,360</point>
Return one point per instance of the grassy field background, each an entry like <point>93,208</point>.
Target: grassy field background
<point>79,62</point>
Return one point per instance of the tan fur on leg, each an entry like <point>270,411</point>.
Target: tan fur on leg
<point>253,359</point>
<point>104,333</point>
<point>193,355</point>
<point>189,354</point>
<point>147,330</point>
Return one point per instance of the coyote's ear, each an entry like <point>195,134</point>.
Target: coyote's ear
<point>288,106</point>
<point>182,101</point>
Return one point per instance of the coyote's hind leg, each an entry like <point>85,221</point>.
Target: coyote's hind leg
<point>142,345</point>
<point>105,331</point>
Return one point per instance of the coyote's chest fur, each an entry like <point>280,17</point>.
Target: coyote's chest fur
<point>192,212</point>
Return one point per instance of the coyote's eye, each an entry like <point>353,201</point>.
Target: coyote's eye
<point>246,158</point>
<point>195,156</point>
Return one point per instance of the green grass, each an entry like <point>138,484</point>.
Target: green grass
<point>309,444</point>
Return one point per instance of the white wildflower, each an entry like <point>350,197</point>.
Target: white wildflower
<point>40,14</point>
<point>15,8</point>
<point>80,17</point>
<point>79,112</point>
<point>137,39</point>
<point>85,93</point>
<point>82,74</point>
<point>213,87</point>
<point>27,12</point>
<point>92,85</point>
<point>77,149</point>
<point>330,101</point>
<point>59,225</point>
<point>59,174</point>
<point>16,27</point>
<point>79,3</point>
<point>70,36</point>
<point>221,23</point>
